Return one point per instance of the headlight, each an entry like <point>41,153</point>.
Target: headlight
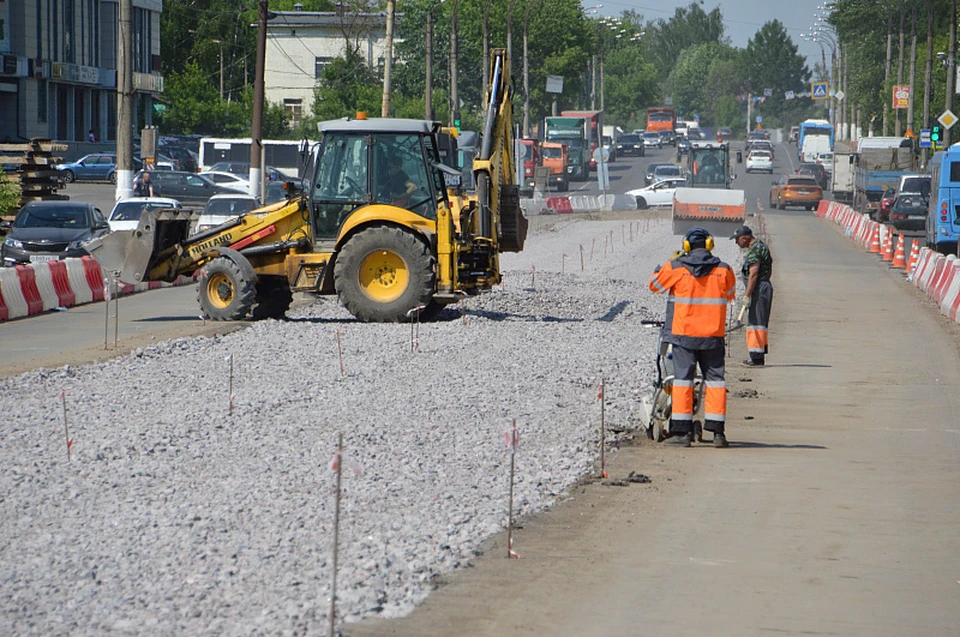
<point>76,245</point>
<point>13,243</point>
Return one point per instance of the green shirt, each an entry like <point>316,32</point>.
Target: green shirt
<point>758,253</point>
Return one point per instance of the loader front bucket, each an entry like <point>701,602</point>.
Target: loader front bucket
<point>133,252</point>
<point>717,210</point>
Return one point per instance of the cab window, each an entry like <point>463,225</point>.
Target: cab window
<point>400,175</point>
<point>341,182</point>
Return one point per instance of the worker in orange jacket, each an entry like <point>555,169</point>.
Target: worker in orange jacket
<point>700,286</point>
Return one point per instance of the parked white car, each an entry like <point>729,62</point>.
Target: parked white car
<point>659,194</point>
<point>760,161</point>
<point>228,180</point>
<point>126,213</point>
<point>825,159</point>
<point>223,208</point>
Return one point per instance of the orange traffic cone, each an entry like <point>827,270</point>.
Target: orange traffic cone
<point>914,256</point>
<point>899,258</point>
<point>875,240</point>
<point>888,248</point>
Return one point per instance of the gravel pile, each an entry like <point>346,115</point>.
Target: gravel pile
<point>177,516</point>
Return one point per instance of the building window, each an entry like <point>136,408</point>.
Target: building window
<point>318,65</point>
<point>293,106</point>
<point>42,102</point>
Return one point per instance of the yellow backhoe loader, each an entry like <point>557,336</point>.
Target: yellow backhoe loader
<point>374,224</point>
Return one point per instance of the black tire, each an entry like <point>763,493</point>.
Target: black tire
<point>641,203</point>
<point>68,176</point>
<point>224,293</point>
<point>384,272</point>
<point>273,298</point>
<point>112,178</point>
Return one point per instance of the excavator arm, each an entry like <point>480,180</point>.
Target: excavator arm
<point>500,218</point>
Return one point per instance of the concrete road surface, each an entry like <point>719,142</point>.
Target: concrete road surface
<point>835,511</point>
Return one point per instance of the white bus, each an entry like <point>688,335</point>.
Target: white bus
<point>284,155</point>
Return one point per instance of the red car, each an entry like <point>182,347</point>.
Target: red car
<point>886,203</point>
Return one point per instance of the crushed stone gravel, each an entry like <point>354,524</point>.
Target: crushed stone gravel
<point>177,516</point>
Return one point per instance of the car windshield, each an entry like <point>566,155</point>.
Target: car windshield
<point>652,135</point>
<point>801,181</point>
<point>629,139</point>
<point>131,210</point>
<point>552,153</point>
<point>916,184</point>
<point>652,168</point>
<point>760,153</point>
<point>59,217</point>
<point>667,170</point>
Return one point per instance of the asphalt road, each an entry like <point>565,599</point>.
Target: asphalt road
<point>834,511</point>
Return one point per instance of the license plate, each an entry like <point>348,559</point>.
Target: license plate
<point>42,258</point>
<point>803,192</point>
<point>916,217</point>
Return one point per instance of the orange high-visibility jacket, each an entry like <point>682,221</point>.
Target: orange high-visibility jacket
<point>700,286</point>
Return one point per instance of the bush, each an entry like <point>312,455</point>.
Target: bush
<point>9,194</point>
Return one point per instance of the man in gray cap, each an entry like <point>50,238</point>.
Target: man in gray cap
<point>758,297</point>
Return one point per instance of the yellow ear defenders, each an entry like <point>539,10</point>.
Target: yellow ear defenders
<point>697,236</point>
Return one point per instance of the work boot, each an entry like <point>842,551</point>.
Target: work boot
<point>752,363</point>
<point>680,440</point>
<point>720,441</point>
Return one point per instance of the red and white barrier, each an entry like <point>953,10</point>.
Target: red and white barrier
<point>41,287</point>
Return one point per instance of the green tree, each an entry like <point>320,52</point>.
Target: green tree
<point>9,192</point>
<point>689,83</point>
<point>772,61</point>
<point>689,27</point>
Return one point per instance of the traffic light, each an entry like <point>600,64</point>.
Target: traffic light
<point>456,123</point>
<point>936,133</point>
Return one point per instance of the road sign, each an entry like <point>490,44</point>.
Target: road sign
<point>789,95</point>
<point>696,117</point>
<point>767,92</point>
<point>668,101</point>
<point>839,96</point>
<point>948,119</point>
<point>554,84</point>
<point>819,90</point>
<point>925,138</point>
<point>759,118</point>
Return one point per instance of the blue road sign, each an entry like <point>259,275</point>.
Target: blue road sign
<point>925,138</point>
<point>819,90</point>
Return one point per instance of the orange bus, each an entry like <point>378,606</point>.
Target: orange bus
<point>659,119</point>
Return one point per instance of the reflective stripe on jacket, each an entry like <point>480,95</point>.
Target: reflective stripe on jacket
<point>700,287</point>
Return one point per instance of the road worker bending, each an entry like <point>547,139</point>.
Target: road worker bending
<point>700,286</point>
<point>758,297</point>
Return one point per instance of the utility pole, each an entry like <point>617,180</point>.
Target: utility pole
<point>428,91</point>
<point>388,60</point>
<point>454,94</point>
<point>526,74</point>
<point>913,76</point>
<point>485,62</point>
<point>928,76</point>
<point>125,102</point>
<point>896,129</point>
<point>220,42</point>
<point>886,68</point>
<point>256,145</point>
<point>951,67</point>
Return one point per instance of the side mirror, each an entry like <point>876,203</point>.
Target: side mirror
<point>6,225</point>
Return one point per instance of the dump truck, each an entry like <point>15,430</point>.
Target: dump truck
<point>707,200</point>
<point>375,225</point>
<point>571,131</point>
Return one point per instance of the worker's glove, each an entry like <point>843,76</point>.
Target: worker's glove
<point>745,302</point>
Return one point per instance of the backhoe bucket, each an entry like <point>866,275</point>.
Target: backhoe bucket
<point>133,252</point>
<point>719,211</point>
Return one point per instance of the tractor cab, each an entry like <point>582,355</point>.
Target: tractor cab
<point>375,162</point>
<point>708,165</point>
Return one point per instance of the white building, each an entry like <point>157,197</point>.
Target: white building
<point>301,43</point>
<point>58,67</point>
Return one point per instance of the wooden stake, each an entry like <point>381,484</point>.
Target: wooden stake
<point>343,372</point>
<point>533,276</point>
<point>563,263</point>
<point>66,428</point>
<point>513,440</point>
<point>593,244</point>
<point>338,467</point>
<point>611,242</point>
<point>581,257</point>
<point>116,310</point>
<point>603,428</point>
<point>106,313</point>
<point>230,394</point>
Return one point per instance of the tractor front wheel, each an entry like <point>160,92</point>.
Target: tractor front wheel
<point>224,293</point>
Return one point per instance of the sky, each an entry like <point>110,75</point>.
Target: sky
<point>742,18</point>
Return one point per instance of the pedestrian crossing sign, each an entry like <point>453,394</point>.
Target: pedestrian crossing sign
<point>819,90</point>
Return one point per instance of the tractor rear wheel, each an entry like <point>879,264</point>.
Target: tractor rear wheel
<point>382,273</point>
<point>224,293</point>
<point>273,298</point>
